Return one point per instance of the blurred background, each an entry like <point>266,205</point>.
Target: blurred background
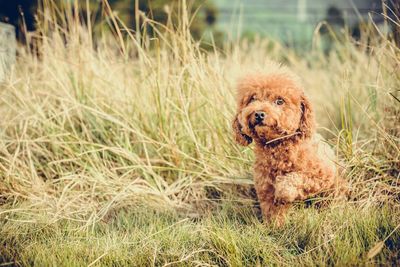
<point>291,22</point>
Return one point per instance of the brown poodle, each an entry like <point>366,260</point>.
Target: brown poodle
<point>291,165</point>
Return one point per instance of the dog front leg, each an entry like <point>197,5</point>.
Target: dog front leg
<point>271,211</point>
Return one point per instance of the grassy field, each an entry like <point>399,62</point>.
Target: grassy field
<point>120,152</point>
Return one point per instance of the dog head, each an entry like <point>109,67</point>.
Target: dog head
<point>272,107</point>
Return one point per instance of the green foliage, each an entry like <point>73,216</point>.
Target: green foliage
<point>202,14</point>
<point>340,235</point>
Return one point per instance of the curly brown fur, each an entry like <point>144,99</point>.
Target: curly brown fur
<point>274,113</point>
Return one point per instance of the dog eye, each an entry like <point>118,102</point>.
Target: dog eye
<point>252,99</point>
<point>279,101</point>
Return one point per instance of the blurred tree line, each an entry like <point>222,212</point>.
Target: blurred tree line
<point>21,13</point>
<point>18,13</point>
<point>204,12</point>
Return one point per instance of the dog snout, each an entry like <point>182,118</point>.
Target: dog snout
<point>259,116</point>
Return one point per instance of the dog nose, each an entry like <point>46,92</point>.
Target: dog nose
<point>260,115</point>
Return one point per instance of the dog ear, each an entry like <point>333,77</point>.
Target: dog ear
<point>307,121</point>
<point>240,137</point>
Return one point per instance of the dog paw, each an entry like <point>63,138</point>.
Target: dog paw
<point>287,188</point>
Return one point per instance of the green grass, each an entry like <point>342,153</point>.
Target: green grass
<point>120,150</point>
<point>339,235</point>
